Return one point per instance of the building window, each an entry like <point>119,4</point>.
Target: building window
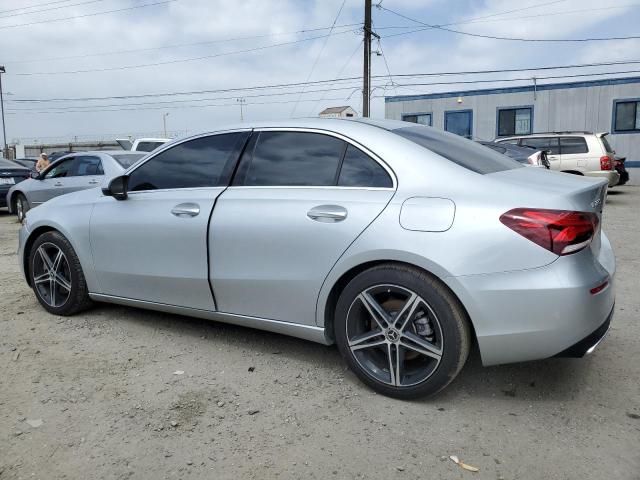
<point>421,118</point>
<point>626,116</point>
<point>514,121</point>
<point>459,122</point>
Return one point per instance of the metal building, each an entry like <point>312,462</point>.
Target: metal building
<point>605,105</point>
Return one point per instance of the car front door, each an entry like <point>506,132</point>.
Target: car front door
<point>153,245</point>
<point>297,201</point>
<point>55,182</point>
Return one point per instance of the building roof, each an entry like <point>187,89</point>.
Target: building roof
<point>527,88</point>
<point>335,109</point>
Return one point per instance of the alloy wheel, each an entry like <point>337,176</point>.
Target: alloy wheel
<point>51,275</point>
<point>394,335</point>
<point>20,209</point>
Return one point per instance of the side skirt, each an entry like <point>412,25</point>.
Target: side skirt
<point>306,332</point>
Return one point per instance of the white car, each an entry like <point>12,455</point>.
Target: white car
<point>142,144</point>
<point>580,153</point>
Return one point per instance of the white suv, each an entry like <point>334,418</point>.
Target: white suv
<point>580,153</point>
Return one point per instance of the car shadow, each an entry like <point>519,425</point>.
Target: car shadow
<point>554,379</point>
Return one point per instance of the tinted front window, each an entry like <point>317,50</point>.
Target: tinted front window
<point>61,169</point>
<point>203,162</point>
<point>360,170</point>
<point>84,166</point>
<point>127,160</point>
<point>291,159</point>
<point>549,144</point>
<point>569,145</point>
<point>465,153</point>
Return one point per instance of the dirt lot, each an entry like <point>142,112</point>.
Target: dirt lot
<point>257,405</point>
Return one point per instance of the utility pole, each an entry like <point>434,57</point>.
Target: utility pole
<point>164,123</point>
<point>241,101</point>
<point>5,152</point>
<point>366,76</point>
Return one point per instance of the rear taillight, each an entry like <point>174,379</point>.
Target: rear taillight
<point>559,231</point>
<point>605,163</point>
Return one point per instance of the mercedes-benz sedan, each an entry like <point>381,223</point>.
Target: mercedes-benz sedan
<point>403,244</point>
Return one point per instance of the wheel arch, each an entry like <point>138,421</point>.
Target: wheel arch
<point>343,280</point>
<point>29,244</point>
<point>14,198</point>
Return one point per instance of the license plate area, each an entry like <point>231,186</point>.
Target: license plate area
<point>7,181</point>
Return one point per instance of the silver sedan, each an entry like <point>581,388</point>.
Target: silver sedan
<point>402,244</point>
<point>73,172</point>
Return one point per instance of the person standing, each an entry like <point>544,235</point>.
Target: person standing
<point>42,163</point>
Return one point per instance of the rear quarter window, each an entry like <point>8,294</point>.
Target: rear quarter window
<point>463,152</point>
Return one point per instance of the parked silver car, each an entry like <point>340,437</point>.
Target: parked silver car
<point>401,243</point>
<point>75,171</point>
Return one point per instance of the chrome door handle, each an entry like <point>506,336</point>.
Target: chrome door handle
<point>57,184</point>
<point>327,213</point>
<point>93,182</point>
<point>186,210</point>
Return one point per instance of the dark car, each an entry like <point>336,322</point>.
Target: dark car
<point>10,174</point>
<point>29,163</point>
<point>618,164</point>
<point>522,154</point>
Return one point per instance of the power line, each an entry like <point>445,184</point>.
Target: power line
<point>344,66</point>
<point>321,82</point>
<point>51,8</point>
<point>88,14</point>
<point>313,67</point>
<point>513,39</point>
<point>181,60</point>
<point>178,45</point>
<point>34,6</point>
<point>171,104</point>
<point>167,107</point>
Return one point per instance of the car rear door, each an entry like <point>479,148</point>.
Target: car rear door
<point>153,245</point>
<point>87,172</point>
<point>298,200</point>
<point>55,182</point>
<point>574,154</point>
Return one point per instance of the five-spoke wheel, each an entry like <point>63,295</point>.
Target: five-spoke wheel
<point>56,276</point>
<point>401,331</point>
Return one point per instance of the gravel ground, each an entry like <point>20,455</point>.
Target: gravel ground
<point>99,395</point>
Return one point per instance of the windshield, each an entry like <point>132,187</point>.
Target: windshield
<point>129,159</point>
<point>466,153</point>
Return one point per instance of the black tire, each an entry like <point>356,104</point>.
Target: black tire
<point>453,331</point>
<point>77,298</point>
<point>21,206</point>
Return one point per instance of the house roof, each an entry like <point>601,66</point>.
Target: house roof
<point>527,88</point>
<point>335,109</point>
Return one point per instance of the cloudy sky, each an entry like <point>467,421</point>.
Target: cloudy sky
<point>75,56</point>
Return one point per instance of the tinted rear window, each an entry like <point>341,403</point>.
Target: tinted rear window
<point>127,160</point>
<point>607,145</point>
<point>466,153</point>
<point>570,145</point>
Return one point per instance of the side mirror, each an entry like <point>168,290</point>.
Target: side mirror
<point>35,175</point>
<point>117,188</point>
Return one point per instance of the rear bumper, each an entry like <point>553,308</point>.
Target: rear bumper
<point>539,313</point>
<point>589,343</point>
<point>612,176</point>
